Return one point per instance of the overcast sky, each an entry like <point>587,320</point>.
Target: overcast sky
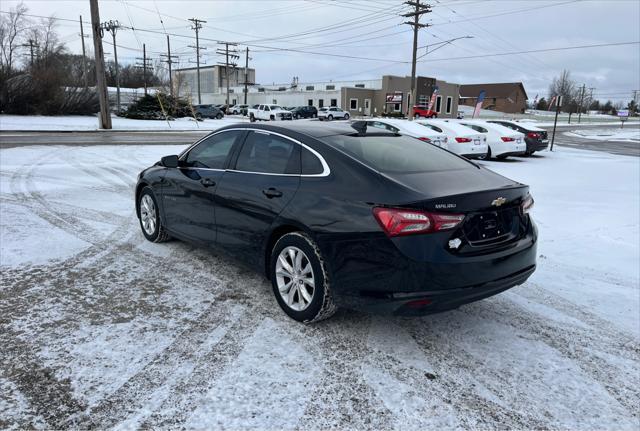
<point>373,30</point>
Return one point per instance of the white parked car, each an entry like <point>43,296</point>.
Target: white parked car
<point>502,141</point>
<point>410,128</point>
<point>269,113</point>
<point>237,109</point>
<point>463,140</point>
<point>332,113</point>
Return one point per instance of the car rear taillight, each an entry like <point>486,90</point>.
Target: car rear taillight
<point>425,139</point>
<point>527,205</point>
<point>533,135</point>
<point>399,222</point>
<point>507,139</point>
<point>463,140</point>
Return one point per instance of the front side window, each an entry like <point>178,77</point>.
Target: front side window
<point>267,153</point>
<point>212,152</point>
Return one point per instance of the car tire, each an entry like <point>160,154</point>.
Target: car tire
<point>346,116</point>
<point>314,115</point>
<point>149,217</point>
<point>330,118</point>
<point>528,153</point>
<point>219,116</point>
<point>488,155</point>
<point>272,118</point>
<point>416,116</point>
<point>252,118</point>
<point>297,117</point>
<point>309,307</point>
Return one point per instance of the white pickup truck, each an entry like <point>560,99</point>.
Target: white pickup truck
<point>269,113</point>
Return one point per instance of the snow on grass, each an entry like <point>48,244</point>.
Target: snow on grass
<point>630,134</point>
<point>85,123</point>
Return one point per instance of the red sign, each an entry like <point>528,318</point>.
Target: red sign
<point>394,97</point>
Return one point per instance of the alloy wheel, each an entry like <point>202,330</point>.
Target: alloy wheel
<point>148,214</point>
<point>294,278</point>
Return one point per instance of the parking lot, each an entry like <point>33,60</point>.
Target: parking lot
<point>100,328</point>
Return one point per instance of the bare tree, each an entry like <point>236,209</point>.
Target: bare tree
<point>12,27</point>
<point>564,86</point>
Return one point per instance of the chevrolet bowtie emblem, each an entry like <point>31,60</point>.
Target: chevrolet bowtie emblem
<point>498,201</point>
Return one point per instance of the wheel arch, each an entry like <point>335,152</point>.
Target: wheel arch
<point>141,185</point>
<point>277,232</point>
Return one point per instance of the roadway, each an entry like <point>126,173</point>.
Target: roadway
<point>9,139</point>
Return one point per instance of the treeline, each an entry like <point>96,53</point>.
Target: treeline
<point>38,75</point>
<point>572,94</point>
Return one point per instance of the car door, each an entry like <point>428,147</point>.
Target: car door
<point>265,177</point>
<point>188,190</point>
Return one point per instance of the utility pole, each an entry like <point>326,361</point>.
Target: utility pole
<point>169,59</point>
<point>581,100</point>
<point>101,82</point>
<point>31,43</point>
<point>84,57</point>
<point>197,25</point>
<point>246,76</point>
<point>228,54</point>
<point>112,27</point>
<point>144,66</point>
<point>419,9</point>
<point>555,121</point>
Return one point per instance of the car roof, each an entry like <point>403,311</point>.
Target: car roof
<point>527,125</point>
<point>409,126</point>
<point>455,127</point>
<point>315,129</point>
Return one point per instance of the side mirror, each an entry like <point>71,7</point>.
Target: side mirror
<point>169,161</point>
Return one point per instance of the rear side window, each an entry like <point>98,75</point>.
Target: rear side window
<point>432,127</point>
<point>397,154</point>
<point>476,128</point>
<point>212,152</point>
<point>383,126</point>
<point>270,154</point>
<point>311,165</point>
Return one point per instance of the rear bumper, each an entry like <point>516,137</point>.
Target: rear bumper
<point>536,145</point>
<point>375,275</point>
<point>436,301</point>
<point>475,156</point>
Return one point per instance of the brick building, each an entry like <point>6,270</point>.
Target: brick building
<point>509,97</point>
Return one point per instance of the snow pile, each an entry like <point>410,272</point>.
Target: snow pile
<point>630,134</point>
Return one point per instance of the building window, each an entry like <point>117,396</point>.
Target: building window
<point>331,87</point>
<point>320,103</point>
<point>397,107</point>
<point>439,104</point>
<point>309,88</point>
<point>422,100</point>
<point>310,102</point>
<point>359,85</point>
<point>353,104</point>
<point>449,103</point>
<point>234,101</point>
<point>333,102</point>
<point>274,101</point>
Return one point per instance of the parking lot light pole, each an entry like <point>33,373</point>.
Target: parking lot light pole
<point>555,122</point>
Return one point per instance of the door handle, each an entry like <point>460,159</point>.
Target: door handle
<point>207,182</point>
<point>272,193</point>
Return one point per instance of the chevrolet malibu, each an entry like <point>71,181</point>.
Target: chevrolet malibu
<point>340,216</point>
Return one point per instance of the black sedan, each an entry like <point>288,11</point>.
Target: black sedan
<point>535,138</point>
<point>304,112</point>
<point>339,216</point>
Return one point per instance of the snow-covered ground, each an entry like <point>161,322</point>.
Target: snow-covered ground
<point>630,134</point>
<point>84,123</point>
<point>100,328</point>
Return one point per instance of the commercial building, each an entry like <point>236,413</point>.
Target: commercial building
<point>509,97</point>
<point>389,94</point>
<point>213,80</point>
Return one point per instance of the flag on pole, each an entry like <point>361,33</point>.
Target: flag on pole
<point>433,99</point>
<point>478,104</point>
<point>553,99</point>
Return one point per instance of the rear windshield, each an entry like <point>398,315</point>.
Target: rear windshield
<point>397,154</point>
